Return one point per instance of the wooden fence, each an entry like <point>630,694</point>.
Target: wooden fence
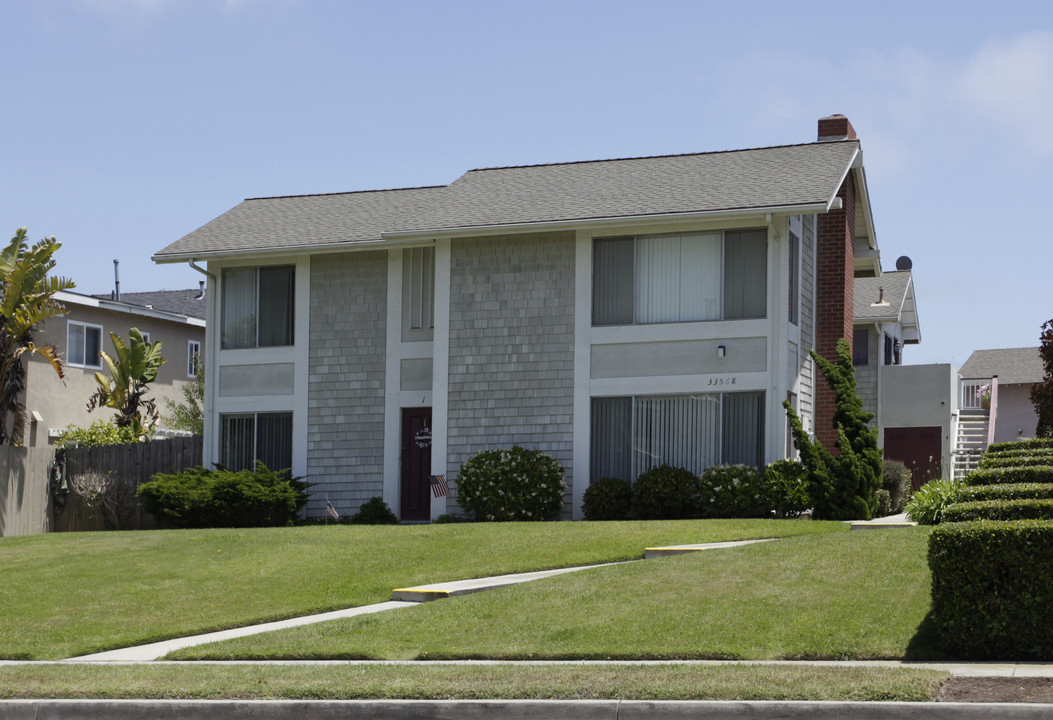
<point>25,498</point>
<point>26,502</point>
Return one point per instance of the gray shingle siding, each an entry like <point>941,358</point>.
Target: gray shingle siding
<point>345,434</point>
<point>512,347</point>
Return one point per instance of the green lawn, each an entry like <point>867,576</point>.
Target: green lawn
<point>437,682</point>
<point>73,593</point>
<point>832,596</point>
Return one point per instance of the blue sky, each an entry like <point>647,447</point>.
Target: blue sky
<point>129,123</point>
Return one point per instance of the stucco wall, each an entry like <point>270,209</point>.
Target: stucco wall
<point>64,403</point>
<point>920,396</point>
<point>1016,417</point>
<point>345,424</point>
<point>512,347</point>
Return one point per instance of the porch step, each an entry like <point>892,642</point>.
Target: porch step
<point>970,443</point>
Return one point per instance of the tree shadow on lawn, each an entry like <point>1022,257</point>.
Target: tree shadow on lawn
<point>925,645</point>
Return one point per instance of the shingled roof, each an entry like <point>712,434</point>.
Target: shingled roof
<point>181,302</point>
<point>1013,366</point>
<point>888,298</point>
<point>801,177</point>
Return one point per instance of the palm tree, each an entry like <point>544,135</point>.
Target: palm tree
<point>131,373</point>
<point>26,300</point>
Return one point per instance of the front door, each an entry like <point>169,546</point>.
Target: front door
<point>415,501</point>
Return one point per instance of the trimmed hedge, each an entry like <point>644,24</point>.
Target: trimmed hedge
<point>1011,491</point>
<point>992,589</point>
<point>607,499</point>
<point>999,460</point>
<point>1030,443</point>
<point>733,491</point>
<point>1017,452</point>
<point>997,476</point>
<point>665,493</point>
<point>1031,509</point>
<point>201,498</point>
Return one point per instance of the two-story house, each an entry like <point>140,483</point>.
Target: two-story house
<point>616,314</point>
<point>174,317</point>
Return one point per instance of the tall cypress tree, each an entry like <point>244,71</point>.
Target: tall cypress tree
<point>842,486</point>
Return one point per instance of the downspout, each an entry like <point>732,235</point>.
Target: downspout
<point>200,269</point>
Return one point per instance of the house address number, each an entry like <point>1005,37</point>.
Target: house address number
<point>723,381</point>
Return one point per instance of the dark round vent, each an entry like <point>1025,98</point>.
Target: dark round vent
<point>904,263</point>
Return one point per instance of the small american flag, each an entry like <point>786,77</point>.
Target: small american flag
<point>439,488</point>
<point>331,511</point>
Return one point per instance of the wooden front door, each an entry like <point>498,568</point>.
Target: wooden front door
<point>415,501</point>
<point>919,448</point>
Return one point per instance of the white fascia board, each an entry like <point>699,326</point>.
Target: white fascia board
<point>868,212</point>
<point>287,250</point>
<point>606,223</point>
<point>116,306</point>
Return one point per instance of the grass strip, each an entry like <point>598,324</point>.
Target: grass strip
<point>860,595</point>
<point>446,682</point>
<point>67,594</point>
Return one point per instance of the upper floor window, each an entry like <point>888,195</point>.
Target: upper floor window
<point>418,293</point>
<point>680,278</point>
<point>193,357</point>
<point>860,347</point>
<point>258,306</point>
<point>83,344</point>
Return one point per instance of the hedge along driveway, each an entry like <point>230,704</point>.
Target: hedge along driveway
<point>74,593</point>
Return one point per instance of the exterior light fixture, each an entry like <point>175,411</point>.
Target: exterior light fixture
<point>721,350</point>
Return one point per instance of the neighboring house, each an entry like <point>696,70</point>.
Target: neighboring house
<point>913,405</point>
<point>1008,375</point>
<point>176,318</point>
<point>615,314</point>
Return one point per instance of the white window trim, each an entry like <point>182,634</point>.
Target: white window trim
<point>193,347</point>
<point>70,324</point>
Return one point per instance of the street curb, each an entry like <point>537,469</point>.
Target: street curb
<point>512,709</point>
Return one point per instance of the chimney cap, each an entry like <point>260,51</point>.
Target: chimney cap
<point>835,127</point>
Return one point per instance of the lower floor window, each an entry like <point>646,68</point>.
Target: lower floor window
<point>633,434</point>
<point>248,437</point>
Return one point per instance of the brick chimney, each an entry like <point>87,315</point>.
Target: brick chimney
<point>835,284</point>
<point>835,127</point>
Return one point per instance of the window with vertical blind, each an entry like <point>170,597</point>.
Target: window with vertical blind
<point>248,437</point>
<point>258,306</point>
<point>630,435</point>
<point>418,293</point>
<point>680,278</point>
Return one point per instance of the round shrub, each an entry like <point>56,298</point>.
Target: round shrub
<point>787,488</point>
<point>514,484</point>
<point>895,479</point>
<point>884,503</point>
<point>733,491</point>
<point>665,493</point>
<point>374,512</point>
<point>931,499</point>
<point>608,499</point>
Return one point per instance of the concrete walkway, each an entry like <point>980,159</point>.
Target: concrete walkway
<point>401,597</point>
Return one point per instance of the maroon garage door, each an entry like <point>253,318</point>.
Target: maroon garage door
<point>919,448</point>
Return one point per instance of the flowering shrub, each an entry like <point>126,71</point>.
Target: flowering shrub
<point>665,493</point>
<point>607,499</point>
<point>736,491</point>
<point>787,486</point>
<point>515,484</point>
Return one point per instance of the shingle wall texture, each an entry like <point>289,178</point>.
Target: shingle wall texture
<point>512,347</point>
<point>345,433</point>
